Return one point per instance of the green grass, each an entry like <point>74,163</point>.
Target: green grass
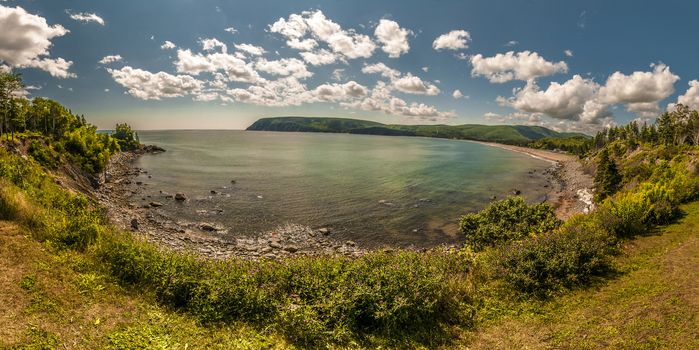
<point>650,302</point>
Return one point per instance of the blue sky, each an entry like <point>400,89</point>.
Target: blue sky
<point>624,60</point>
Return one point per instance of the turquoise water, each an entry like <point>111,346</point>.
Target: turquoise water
<point>375,190</point>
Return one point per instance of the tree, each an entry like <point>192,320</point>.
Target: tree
<point>607,178</point>
<point>126,137</point>
<point>10,86</point>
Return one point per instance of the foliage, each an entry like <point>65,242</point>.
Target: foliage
<point>510,134</point>
<point>607,178</point>
<point>567,257</point>
<point>506,220</point>
<point>127,139</point>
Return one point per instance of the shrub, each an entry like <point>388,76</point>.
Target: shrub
<point>43,154</point>
<point>625,214</point>
<point>506,220</point>
<point>567,257</point>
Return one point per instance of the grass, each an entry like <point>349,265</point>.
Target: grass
<point>652,303</point>
<point>55,299</point>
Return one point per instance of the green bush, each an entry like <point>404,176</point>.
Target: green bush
<point>567,257</point>
<point>43,154</point>
<point>506,220</point>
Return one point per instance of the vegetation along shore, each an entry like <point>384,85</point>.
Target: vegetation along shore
<point>71,278</point>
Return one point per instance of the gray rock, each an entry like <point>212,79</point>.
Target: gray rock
<point>324,231</point>
<point>180,196</point>
<point>275,245</point>
<point>209,227</point>
<point>156,204</point>
<point>134,224</point>
<point>351,243</point>
<point>291,249</point>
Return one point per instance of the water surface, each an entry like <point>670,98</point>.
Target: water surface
<point>375,190</point>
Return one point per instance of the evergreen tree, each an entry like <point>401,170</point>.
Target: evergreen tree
<point>607,178</point>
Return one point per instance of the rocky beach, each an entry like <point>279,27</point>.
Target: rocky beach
<point>122,195</point>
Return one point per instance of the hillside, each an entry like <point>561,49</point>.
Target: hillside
<point>510,134</point>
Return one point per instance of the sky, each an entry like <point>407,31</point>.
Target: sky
<point>214,64</point>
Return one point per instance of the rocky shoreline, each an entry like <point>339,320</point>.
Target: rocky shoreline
<point>119,191</point>
<point>118,187</point>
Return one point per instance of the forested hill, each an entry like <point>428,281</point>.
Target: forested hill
<point>511,134</point>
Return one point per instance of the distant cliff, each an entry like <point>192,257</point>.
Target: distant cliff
<point>510,134</point>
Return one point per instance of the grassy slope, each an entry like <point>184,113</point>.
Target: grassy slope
<point>52,297</point>
<point>59,299</point>
<point>500,133</point>
<point>653,302</point>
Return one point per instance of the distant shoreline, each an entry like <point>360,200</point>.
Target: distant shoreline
<point>571,187</point>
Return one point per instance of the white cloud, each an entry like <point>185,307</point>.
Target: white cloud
<point>340,92</point>
<point>588,103</point>
<point>250,49</point>
<point>414,85</point>
<point>285,66</point>
<point>568,53</point>
<point>297,27</point>
<point>110,59</point>
<point>425,69</point>
<point>154,86</point>
<point>25,40</point>
<point>381,99</point>
<point>393,37</point>
<point>380,68</point>
<point>454,40</point>
<point>512,43</point>
<point>690,98</point>
<point>457,95</point>
<point>561,101</point>
<point>523,65</point>
<point>231,30</point>
<point>320,57</point>
<point>338,74</point>
<point>234,67</point>
<point>639,86</point>
<point>212,43</point>
<point>168,45</point>
<point>85,17</point>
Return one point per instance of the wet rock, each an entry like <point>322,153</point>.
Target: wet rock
<point>233,181</point>
<point>180,196</point>
<point>156,204</point>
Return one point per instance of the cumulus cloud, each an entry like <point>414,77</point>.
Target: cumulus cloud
<point>393,37</point>
<point>110,59</point>
<point>235,68</point>
<point>587,102</point>
<point>562,101</point>
<point>640,86</point>
<point>25,40</point>
<point>690,98</point>
<point>381,99</point>
<point>454,40</point>
<point>154,86</point>
<point>523,65</point>
<point>339,92</point>
<point>414,85</point>
<point>380,68</point>
<point>285,67</point>
<point>321,57</point>
<point>168,45</point>
<point>213,43</point>
<point>250,49</point>
<point>304,31</point>
<point>85,17</point>
<point>457,94</point>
